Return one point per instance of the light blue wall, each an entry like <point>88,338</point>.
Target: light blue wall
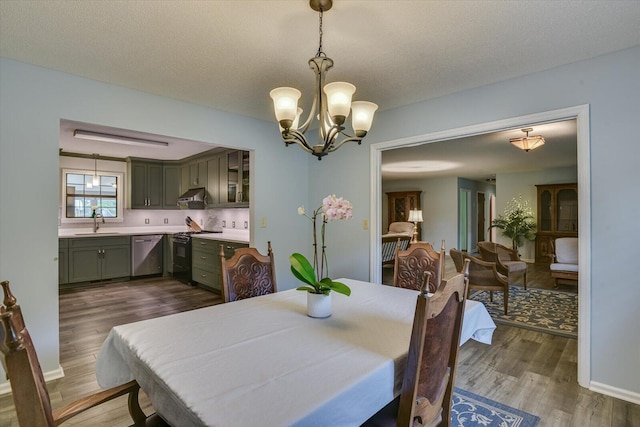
<point>32,102</point>
<point>610,84</point>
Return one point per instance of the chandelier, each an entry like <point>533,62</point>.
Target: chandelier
<point>333,103</point>
<point>528,143</point>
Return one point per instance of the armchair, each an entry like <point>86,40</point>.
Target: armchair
<point>564,260</point>
<point>507,260</point>
<point>483,275</point>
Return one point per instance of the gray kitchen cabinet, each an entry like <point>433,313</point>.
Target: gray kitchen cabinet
<point>99,258</point>
<point>213,181</point>
<point>198,174</point>
<point>234,178</point>
<point>63,260</point>
<point>171,186</point>
<point>145,184</point>
<point>205,261</point>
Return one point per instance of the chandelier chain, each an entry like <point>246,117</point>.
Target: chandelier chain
<point>320,52</point>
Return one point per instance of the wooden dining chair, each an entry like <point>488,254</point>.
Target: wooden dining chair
<point>30,395</point>
<point>483,275</point>
<point>247,274</point>
<point>412,264</point>
<point>426,396</point>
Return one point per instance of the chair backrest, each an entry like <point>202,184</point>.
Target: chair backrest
<point>427,387</point>
<point>566,250</point>
<point>491,250</point>
<point>412,264</point>
<point>247,274</point>
<point>20,362</point>
<point>479,272</point>
<point>401,227</point>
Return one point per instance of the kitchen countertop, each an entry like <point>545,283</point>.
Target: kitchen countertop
<point>233,235</point>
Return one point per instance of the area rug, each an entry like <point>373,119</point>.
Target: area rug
<point>553,312</point>
<point>472,410</point>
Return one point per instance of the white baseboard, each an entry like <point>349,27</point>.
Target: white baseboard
<point>626,395</point>
<point>5,386</point>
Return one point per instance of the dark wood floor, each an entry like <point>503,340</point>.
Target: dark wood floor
<point>532,371</point>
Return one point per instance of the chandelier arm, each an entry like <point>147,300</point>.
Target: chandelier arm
<point>312,113</point>
<point>295,137</point>
<point>334,147</point>
<point>330,137</point>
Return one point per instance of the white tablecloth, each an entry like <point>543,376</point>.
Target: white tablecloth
<point>262,361</point>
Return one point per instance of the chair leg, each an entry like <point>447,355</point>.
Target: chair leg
<point>525,279</point>
<point>491,296</point>
<point>506,302</point>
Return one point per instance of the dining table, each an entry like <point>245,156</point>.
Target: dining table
<point>263,361</point>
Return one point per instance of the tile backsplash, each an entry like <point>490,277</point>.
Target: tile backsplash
<point>205,218</point>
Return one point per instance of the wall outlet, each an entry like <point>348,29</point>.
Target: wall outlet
<point>146,220</point>
<point>263,222</point>
<point>233,224</point>
<point>224,224</point>
<point>166,220</point>
<point>246,225</point>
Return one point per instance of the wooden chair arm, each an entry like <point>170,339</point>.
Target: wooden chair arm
<point>489,266</point>
<point>74,408</point>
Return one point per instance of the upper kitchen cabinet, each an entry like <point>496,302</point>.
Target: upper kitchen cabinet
<point>145,184</point>
<point>213,180</point>
<point>235,176</point>
<point>172,185</point>
<point>195,175</point>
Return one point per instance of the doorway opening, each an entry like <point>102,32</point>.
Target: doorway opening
<point>581,115</point>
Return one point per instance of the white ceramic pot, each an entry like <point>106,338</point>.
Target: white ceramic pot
<point>318,305</point>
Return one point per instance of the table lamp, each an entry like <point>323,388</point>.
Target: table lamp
<point>415,216</point>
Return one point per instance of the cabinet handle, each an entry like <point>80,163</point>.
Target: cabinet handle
<point>203,275</point>
<point>203,257</point>
<point>203,244</point>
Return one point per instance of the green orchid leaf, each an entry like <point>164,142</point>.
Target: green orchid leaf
<point>340,287</point>
<point>302,269</point>
<point>306,288</point>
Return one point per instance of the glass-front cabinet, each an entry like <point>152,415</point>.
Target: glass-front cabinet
<point>237,177</point>
<point>557,216</point>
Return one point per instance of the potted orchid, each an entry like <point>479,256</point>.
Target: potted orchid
<point>319,285</point>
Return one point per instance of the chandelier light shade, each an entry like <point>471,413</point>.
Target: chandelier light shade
<point>528,143</point>
<point>331,106</point>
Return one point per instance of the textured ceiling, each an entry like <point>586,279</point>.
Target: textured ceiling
<point>229,54</point>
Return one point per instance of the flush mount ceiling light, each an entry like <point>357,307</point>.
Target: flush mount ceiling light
<point>332,100</point>
<point>528,143</point>
<point>116,139</point>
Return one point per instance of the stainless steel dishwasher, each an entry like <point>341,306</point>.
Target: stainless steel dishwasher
<point>146,254</point>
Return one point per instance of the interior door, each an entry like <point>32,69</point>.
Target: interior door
<point>481,218</point>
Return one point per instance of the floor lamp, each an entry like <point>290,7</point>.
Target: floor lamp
<point>415,216</point>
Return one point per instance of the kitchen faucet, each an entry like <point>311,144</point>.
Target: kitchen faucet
<point>96,215</point>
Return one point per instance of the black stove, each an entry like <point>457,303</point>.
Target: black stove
<point>182,254</point>
<point>185,236</point>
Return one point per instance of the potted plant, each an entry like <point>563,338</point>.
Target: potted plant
<point>318,286</point>
<point>517,222</point>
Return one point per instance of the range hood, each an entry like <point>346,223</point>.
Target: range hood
<point>193,198</point>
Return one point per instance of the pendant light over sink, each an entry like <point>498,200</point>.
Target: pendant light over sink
<point>333,101</point>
